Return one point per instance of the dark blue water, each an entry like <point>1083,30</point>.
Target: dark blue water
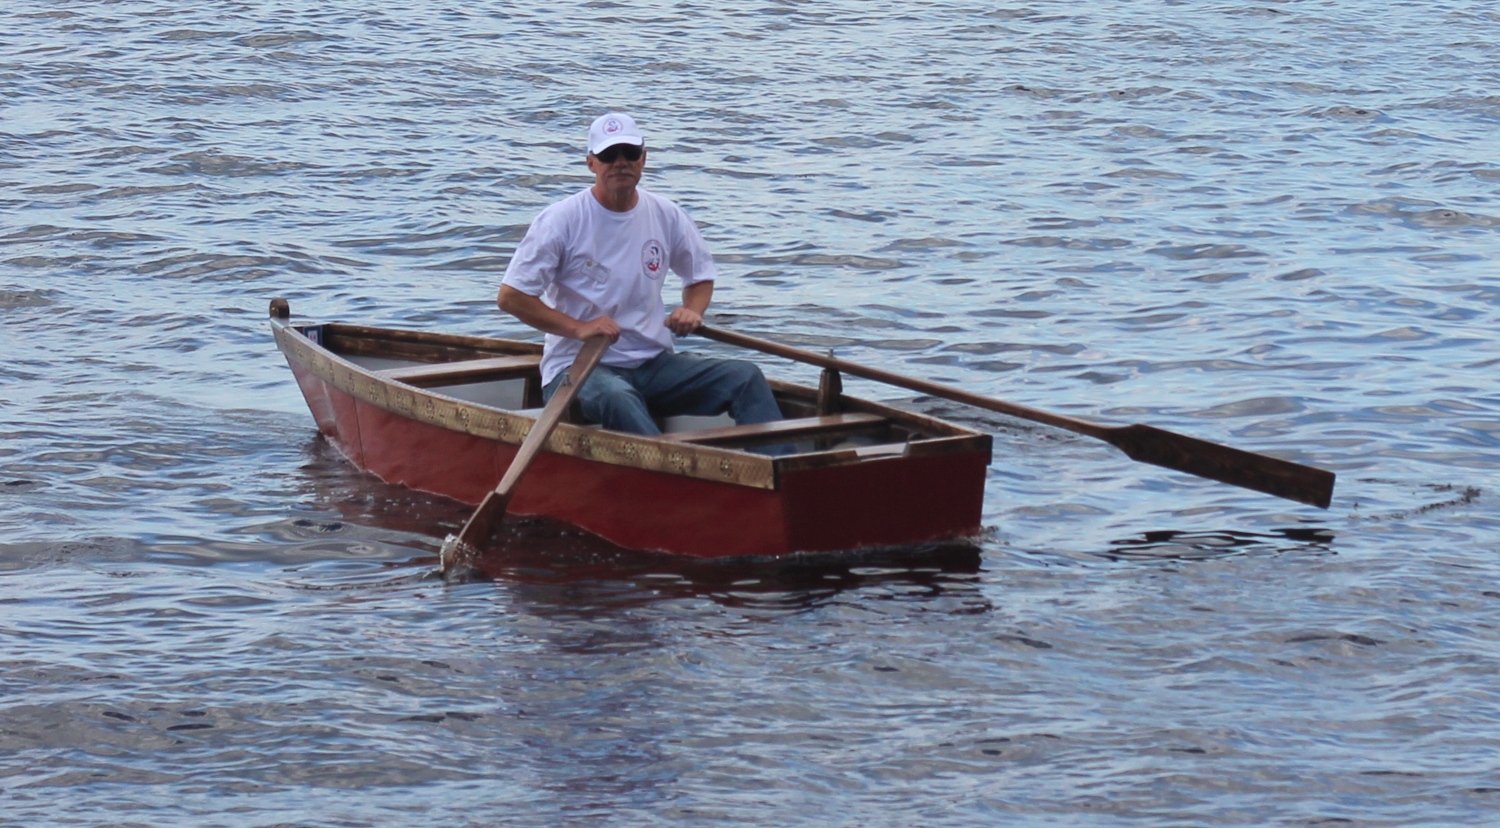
<point>1274,227</point>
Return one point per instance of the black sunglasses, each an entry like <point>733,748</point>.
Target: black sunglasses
<point>631,152</point>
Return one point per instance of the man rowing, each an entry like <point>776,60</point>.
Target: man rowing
<point>594,263</point>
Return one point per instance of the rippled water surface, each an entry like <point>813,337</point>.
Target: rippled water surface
<point>1270,225</point>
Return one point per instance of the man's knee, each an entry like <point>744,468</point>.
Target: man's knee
<point>616,404</point>
<point>743,372</point>
<point>605,391</point>
<point>752,401</point>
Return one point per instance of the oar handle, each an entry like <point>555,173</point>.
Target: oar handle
<point>902,381</point>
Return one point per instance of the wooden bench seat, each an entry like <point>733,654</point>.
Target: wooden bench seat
<point>780,430</point>
<point>464,371</point>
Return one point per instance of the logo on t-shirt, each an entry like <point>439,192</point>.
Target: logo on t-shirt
<point>652,256</point>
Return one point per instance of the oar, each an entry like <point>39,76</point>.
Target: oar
<point>1147,444</point>
<point>491,512</point>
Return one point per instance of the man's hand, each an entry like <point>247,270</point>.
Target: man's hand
<point>599,325</point>
<point>689,317</point>
<point>684,321</point>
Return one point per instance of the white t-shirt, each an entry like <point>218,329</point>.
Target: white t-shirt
<point>587,261</point>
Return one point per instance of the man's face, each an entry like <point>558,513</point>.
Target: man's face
<point>619,171</point>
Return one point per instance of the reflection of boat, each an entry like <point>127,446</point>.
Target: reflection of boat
<point>445,414</point>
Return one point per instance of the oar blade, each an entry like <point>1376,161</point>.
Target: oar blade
<point>1282,478</point>
<point>481,527</point>
<point>460,551</point>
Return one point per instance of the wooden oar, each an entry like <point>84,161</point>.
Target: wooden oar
<point>1147,444</point>
<point>491,512</point>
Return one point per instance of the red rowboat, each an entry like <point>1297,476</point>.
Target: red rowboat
<point>446,413</point>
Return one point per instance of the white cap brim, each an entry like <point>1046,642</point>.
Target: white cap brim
<point>637,141</point>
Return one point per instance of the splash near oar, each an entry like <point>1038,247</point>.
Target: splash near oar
<point>1147,444</point>
<point>481,526</point>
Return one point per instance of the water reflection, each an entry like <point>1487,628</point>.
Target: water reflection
<point>331,483</point>
<point>538,551</point>
<point>1204,545</point>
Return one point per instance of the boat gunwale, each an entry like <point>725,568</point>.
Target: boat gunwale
<point>723,465</point>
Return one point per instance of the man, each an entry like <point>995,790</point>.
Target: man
<point>594,263</point>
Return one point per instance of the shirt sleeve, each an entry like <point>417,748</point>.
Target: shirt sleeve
<point>691,258</point>
<point>534,266</point>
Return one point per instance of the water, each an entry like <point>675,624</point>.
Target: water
<point>1273,226</point>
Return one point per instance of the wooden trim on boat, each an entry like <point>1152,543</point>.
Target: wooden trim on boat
<point>781,429</point>
<point>420,346</point>
<point>464,371</point>
<point>469,343</point>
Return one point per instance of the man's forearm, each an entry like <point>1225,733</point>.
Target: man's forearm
<point>534,312</point>
<point>695,297</point>
<point>689,317</point>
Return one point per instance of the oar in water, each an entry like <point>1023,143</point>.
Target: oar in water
<point>1147,444</point>
<point>491,512</point>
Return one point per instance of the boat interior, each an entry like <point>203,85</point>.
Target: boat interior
<point>505,374</point>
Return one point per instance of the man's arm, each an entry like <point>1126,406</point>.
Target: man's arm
<point>688,318</point>
<point>534,312</point>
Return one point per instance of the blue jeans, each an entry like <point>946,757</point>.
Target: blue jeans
<point>670,384</point>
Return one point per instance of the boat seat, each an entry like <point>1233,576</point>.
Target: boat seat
<point>464,371</point>
<point>780,429</point>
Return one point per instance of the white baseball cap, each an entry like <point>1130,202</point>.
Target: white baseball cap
<point>614,128</point>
